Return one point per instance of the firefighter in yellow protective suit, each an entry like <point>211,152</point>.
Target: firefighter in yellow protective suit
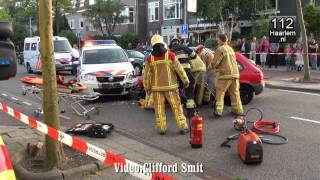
<point>227,78</point>
<point>207,56</point>
<point>160,79</point>
<point>198,69</point>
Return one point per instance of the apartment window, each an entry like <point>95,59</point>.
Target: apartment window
<point>153,11</point>
<point>71,24</point>
<point>81,23</point>
<point>172,9</point>
<point>129,14</point>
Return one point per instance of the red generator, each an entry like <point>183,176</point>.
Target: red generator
<point>250,147</point>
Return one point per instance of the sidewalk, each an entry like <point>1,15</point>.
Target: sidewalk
<point>279,78</point>
<point>17,137</point>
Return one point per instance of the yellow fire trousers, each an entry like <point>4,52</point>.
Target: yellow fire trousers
<point>232,86</point>
<point>173,98</point>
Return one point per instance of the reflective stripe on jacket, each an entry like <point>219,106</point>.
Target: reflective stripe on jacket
<point>160,73</point>
<point>225,63</point>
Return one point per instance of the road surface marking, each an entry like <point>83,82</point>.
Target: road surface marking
<point>26,103</point>
<point>5,95</point>
<point>299,92</point>
<point>65,117</point>
<point>15,99</point>
<point>307,120</point>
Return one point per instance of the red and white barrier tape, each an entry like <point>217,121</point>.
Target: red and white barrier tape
<point>76,143</point>
<point>281,53</point>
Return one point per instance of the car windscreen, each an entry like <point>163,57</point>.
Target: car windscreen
<point>135,54</point>
<point>104,56</point>
<point>61,46</point>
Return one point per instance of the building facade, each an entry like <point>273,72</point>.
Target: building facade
<point>146,18</point>
<point>82,26</point>
<point>168,17</point>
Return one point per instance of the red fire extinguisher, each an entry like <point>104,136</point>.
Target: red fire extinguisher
<point>196,131</point>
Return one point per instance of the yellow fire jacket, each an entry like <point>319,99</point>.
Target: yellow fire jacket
<point>225,63</point>
<point>197,65</point>
<point>159,74</point>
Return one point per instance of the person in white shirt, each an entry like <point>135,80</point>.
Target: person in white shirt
<point>253,49</point>
<point>75,59</point>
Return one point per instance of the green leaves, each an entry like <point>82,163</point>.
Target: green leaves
<point>5,16</point>
<point>311,17</point>
<point>127,38</point>
<point>105,12</point>
<point>217,10</point>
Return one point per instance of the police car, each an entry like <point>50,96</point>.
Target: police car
<point>62,54</point>
<point>105,68</point>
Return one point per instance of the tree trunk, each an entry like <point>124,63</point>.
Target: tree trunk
<point>231,29</point>
<point>307,76</point>
<point>54,151</point>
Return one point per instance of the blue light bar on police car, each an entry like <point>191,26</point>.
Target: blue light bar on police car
<point>99,42</point>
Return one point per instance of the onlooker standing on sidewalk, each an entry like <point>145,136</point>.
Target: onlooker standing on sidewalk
<point>263,49</point>
<point>253,49</point>
<point>298,50</point>
<point>289,56</point>
<point>274,49</point>
<point>313,49</point>
<point>244,47</point>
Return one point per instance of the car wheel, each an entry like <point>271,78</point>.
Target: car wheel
<point>138,70</point>
<point>29,70</point>
<point>246,95</point>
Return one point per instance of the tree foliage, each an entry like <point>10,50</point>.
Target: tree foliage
<point>69,35</point>
<point>105,15</point>
<point>127,38</point>
<point>260,27</point>
<point>312,19</point>
<point>59,8</point>
<point>225,12</point>
<point>5,16</point>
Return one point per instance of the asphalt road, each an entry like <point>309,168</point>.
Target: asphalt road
<point>297,112</point>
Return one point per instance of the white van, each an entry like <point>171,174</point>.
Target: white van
<point>106,69</point>
<point>62,54</point>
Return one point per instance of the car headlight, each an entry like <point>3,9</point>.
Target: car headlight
<point>88,78</point>
<point>130,75</point>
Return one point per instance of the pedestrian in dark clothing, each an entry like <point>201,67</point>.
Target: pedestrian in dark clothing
<point>244,47</point>
<point>313,48</point>
<point>274,49</point>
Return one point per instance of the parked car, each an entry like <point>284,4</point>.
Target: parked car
<point>138,61</point>
<point>251,80</point>
<point>106,69</point>
<point>62,54</point>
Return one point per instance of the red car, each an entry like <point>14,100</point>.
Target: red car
<point>251,80</point>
